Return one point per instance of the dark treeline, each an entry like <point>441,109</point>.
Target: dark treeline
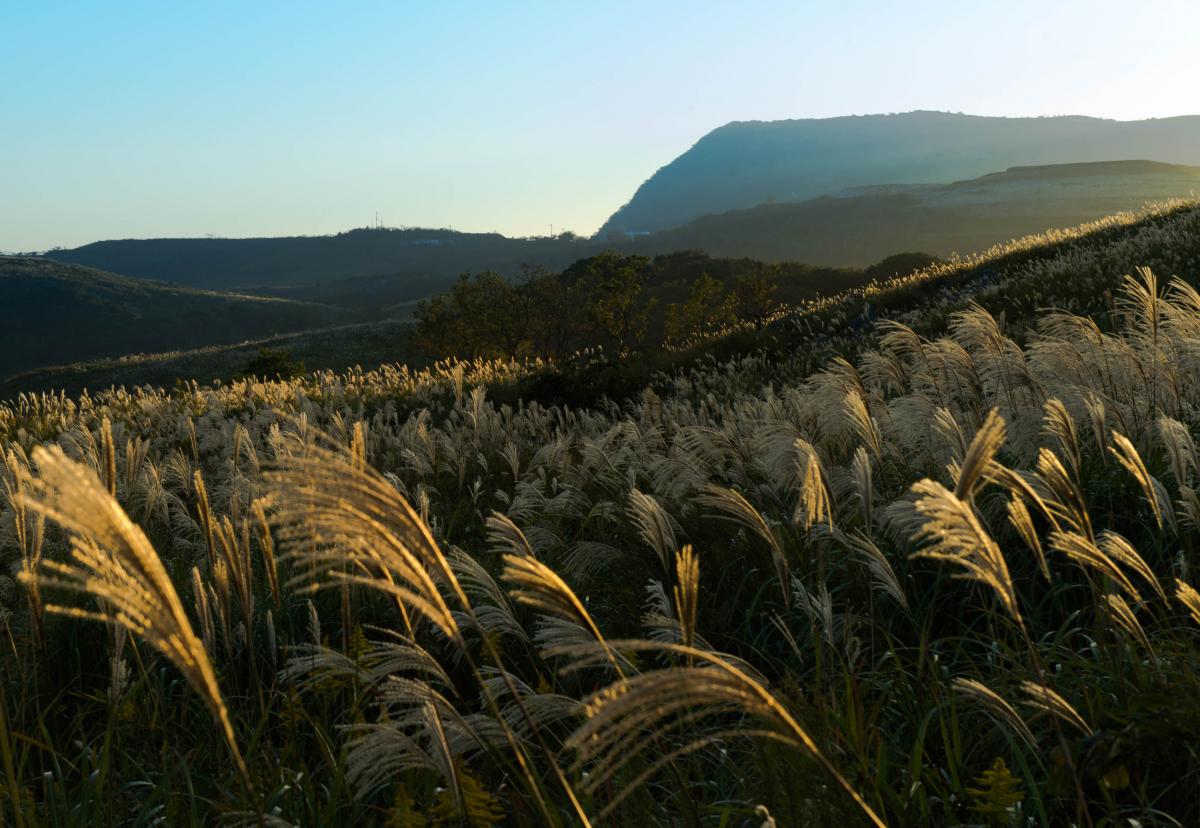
<point>620,303</point>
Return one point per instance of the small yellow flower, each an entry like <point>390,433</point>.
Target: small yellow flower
<point>996,793</point>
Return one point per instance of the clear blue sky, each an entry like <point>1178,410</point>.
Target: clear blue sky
<point>122,119</point>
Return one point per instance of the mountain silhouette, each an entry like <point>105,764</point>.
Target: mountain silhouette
<point>866,224</point>
<point>744,164</point>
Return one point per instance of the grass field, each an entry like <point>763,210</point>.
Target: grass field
<point>918,553</point>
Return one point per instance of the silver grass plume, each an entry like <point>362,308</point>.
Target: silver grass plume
<point>536,585</point>
<point>993,701</point>
<point>1122,615</point>
<point>952,531</point>
<point>1187,595</point>
<point>880,567</point>
<point>491,609</point>
<point>504,534</point>
<point>631,715</point>
<point>977,459</point>
<point>350,525</point>
<point>1189,506</point>
<point>815,503</point>
<point>732,506</point>
<point>1098,416</point>
<point>1022,521</point>
<point>113,561</point>
<point>1067,503</point>
<point>860,469</point>
<point>1045,700</point>
<point>1058,423</point>
<point>687,593</point>
<point>1122,551</point>
<point>947,426</point>
<point>1177,439</point>
<point>655,526</point>
<point>865,426</point>
<point>1156,495</point>
<point>1090,555</point>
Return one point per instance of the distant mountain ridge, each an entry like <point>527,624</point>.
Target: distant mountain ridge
<point>1085,169</point>
<point>304,260</point>
<point>745,164</point>
<point>863,225</point>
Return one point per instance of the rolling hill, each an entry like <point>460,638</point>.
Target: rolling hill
<point>866,224</point>
<point>333,348</point>
<point>53,313</point>
<point>744,164</point>
<point>385,333</point>
<point>290,261</point>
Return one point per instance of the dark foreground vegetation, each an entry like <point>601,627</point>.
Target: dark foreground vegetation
<point>918,553</point>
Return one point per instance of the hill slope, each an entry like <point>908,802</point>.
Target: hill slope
<point>52,313</point>
<point>867,224</point>
<point>383,333</point>
<point>334,348</point>
<point>305,260</point>
<point>744,164</point>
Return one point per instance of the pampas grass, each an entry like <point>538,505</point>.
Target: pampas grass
<point>898,551</point>
<point>627,717</point>
<point>112,562</point>
<point>951,529</point>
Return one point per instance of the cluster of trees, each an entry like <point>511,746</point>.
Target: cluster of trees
<point>619,303</point>
<point>272,363</point>
<point>900,264</point>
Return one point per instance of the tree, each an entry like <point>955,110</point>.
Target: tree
<point>753,296</point>
<point>900,264</point>
<point>479,318</point>
<point>273,363</point>
<point>708,308</point>
<point>612,286</point>
<point>556,317</point>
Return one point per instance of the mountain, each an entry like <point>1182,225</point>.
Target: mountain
<point>222,264</point>
<point>866,224</point>
<point>744,164</point>
<point>53,313</point>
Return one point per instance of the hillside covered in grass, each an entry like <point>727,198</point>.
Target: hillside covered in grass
<point>53,313</point>
<point>916,553</point>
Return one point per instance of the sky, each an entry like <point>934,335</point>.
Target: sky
<point>137,120</point>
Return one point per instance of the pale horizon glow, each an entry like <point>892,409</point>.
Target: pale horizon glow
<point>140,120</point>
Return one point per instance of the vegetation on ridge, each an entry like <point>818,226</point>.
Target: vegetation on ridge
<point>624,304</point>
